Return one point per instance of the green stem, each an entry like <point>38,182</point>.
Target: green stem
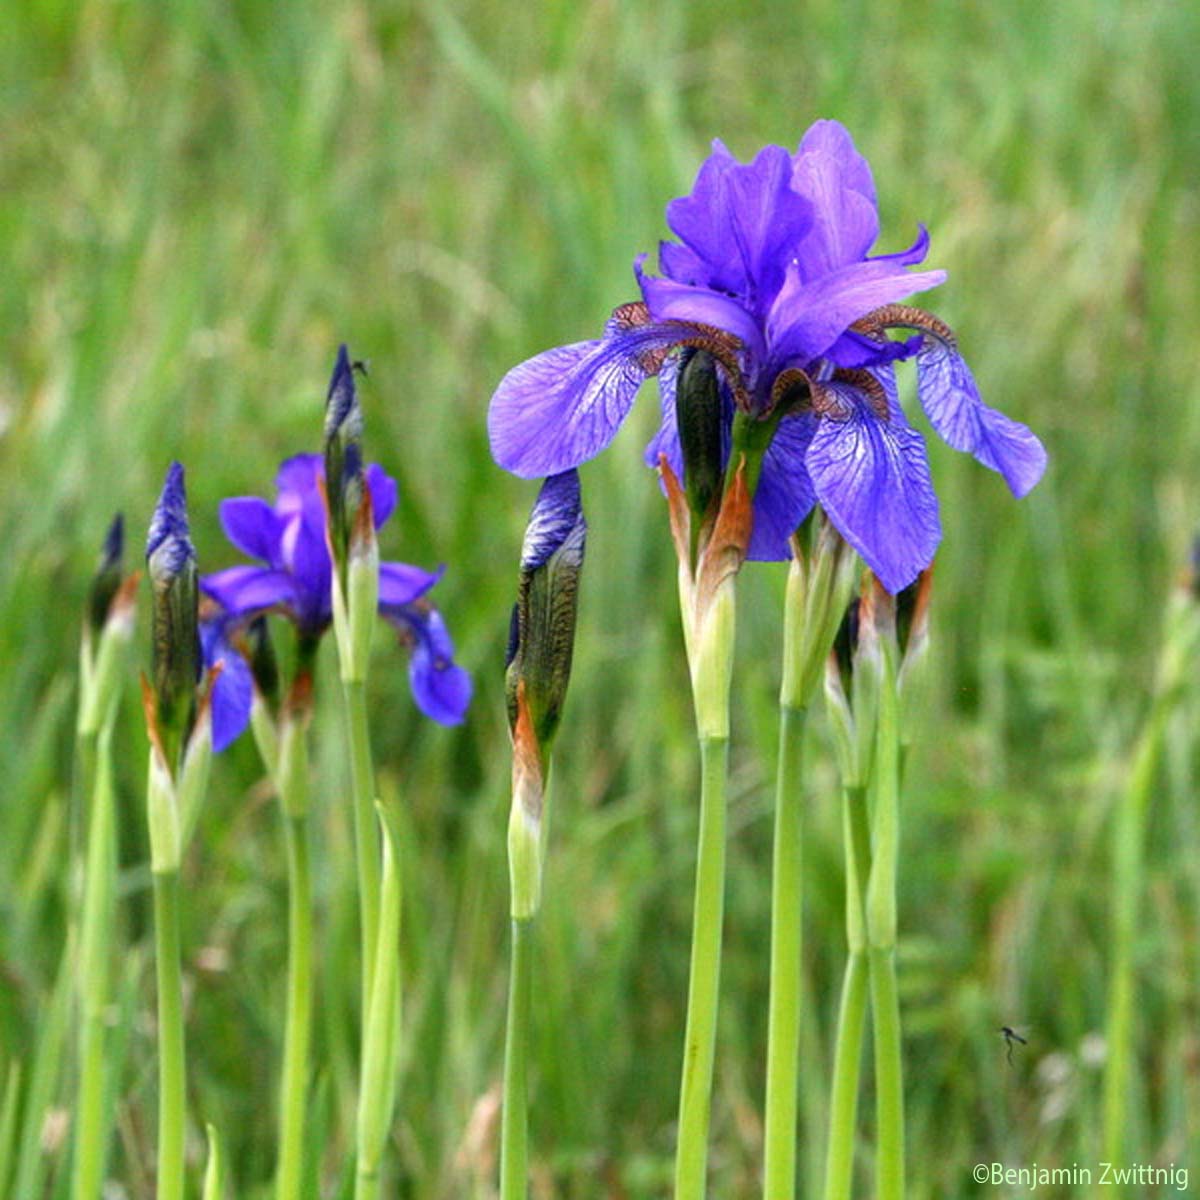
<point>91,1135</point>
<point>514,1131</point>
<point>171,1077</point>
<point>1129,835</point>
<point>889,1078</point>
<point>783,1027</point>
<point>366,832</point>
<point>381,1027</point>
<point>843,1099</point>
<point>294,1088</point>
<point>695,1099</point>
<point>880,911</point>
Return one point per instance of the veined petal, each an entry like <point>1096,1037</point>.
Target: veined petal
<point>666,440</point>
<point>836,179</point>
<point>383,493</point>
<point>857,350</point>
<point>563,406</point>
<point>951,400</point>
<point>872,478</point>
<point>808,318</point>
<point>785,494</point>
<point>400,583</point>
<point>251,525</point>
<point>243,590</point>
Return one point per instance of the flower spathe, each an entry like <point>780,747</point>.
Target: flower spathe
<point>289,537</point>
<point>772,275</point>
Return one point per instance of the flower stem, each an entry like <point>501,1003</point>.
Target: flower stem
<point>366,831</point>
<point>695,1099</point>
<point>514,1131</point>
<point>381,1027</point>
<point>171,1069</point>
<point>880,912</point>
<point>783,1030</point>
<point>843,1100</point>
<point>91,1135</point>
<point>889,1080</point>
<point>298,1032</point>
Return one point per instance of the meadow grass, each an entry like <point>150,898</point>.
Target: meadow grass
<point>198,201</point>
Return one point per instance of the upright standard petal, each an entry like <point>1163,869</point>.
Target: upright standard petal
<point>872,478</point>
<point>250,524</point>
<point>837,181</point>
<point>951,400</point>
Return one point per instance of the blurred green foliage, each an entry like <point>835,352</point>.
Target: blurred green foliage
<point>199,199</point>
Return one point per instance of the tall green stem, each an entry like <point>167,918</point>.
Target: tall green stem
<point>514,1132</point>
<point>366,831</point>
<point>880,913</point>
<point>381,1028</point>
<point>843,1100</point>
<point>171,1076</point>
<point>695,1099</point>
<point>783,1030</point>
<point>294,1087</point>
<point>91,1134</point>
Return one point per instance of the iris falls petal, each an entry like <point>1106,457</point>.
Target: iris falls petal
<point>872,478</point>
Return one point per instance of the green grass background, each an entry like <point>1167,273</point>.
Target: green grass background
<point>199,199</point>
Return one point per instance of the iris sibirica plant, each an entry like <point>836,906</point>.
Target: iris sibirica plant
<point>540,648</point>
<point>773,280</point>
<point>197,699</point>
<point>320,567</point>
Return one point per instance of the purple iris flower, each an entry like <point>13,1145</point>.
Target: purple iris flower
<point>772,276</point>
<point>290,538</point>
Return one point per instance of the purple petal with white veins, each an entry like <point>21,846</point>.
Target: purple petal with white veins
<point>872,478</point>
<point>400,583</point>
<point>562,407</point>
<point>251,525</point>
<point>241,590</point>
<point>784,496</point>
<point>808,318</point>
<point>831,173</point>
<point>383,493</point>
<point>951,400</point>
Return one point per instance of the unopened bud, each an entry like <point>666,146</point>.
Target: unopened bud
<point>543,633</point>
<point>344,482</point>
<point>107,578</point>
<point>171,565</point>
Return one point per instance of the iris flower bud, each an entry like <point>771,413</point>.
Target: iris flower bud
<point>541,643</point>
<point>107,578</point>
<point>171,565</point>
<point>344,487</point>
<point>543,633</point>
